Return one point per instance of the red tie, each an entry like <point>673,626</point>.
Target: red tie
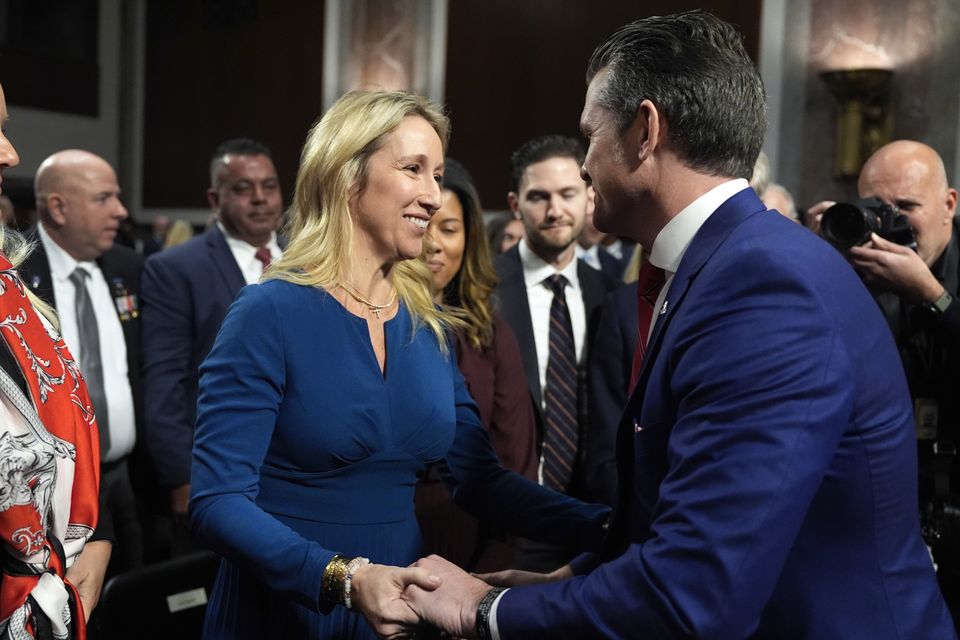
<point>263,255</point>
<point>649,285</point>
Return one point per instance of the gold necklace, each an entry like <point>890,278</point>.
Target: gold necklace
<point>374,308</point>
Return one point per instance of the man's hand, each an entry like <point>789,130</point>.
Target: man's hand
<point>896,268</point>
<point>451,607</point>
<point>88,571</point>
<point>815,213</point>
<point>515,578</point>
<point>376,591</point>
<point>180,500</point>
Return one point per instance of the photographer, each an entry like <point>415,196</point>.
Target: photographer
<point>917,291</point>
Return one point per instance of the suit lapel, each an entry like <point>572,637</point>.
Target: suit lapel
<point>515,308</point>
<point>36,270</point>
<point>705,243</point>
<point>224,261</point>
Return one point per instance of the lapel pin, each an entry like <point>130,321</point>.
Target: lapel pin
<point>663,309</point>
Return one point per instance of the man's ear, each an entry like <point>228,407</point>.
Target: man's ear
<point>591,200</point>
<point>513,201</point>
<point>951,205</point>
<point>213,199</point>
<point>57,209</point>
<point>644,134</point>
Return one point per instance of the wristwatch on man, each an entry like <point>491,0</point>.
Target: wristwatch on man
<point>939,306</point>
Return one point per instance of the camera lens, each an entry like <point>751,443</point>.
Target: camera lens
<point>845,225</point>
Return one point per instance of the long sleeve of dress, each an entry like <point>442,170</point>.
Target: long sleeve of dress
<point>242,383</point>
<point>496,495</point>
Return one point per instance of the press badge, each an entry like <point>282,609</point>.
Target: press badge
<point>926,412</point>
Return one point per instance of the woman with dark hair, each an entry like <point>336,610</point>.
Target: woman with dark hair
<point>457,254</point>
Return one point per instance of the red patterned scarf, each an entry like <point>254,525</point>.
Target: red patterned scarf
<point>40,527</point>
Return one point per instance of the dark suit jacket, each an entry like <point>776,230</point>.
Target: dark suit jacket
<point>121,269</point>
<point>614,266</point>
<point>608,376</point>
<point>187,290</point>
<point>512,302</point>
<point>768,468</point>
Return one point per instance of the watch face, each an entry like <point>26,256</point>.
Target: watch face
<point>943,302</point>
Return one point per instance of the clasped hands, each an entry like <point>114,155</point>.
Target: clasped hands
<point>395,601</point>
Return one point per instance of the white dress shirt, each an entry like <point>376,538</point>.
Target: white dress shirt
<point>113,348</point>
<point>540,297</point>
<point>591,256</point>
<point>672,241</point>
<point>245,254</point>
<point>667,252</point>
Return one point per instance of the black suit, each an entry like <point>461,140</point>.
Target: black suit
<point>121,268</point>
<point>511,296</point>
<point>611,264</point>
<point>608,376</point>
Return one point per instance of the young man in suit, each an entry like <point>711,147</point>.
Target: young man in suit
<point>186,293</point>
<point>554,325</point>
<point>767,454</point>
<point>93,284</point>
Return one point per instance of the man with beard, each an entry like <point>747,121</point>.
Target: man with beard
<point>551,301</point>
<point>186,292</point>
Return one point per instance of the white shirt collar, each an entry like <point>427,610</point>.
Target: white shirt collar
<point>242,245</point>
<point>536,270</point>
<point>672,241</point>
<point>62,263</point>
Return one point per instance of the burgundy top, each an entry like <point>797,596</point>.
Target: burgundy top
<point>496,381</point>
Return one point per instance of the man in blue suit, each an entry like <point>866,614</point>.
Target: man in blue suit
<point>186,292</point>
<point>766,455</point>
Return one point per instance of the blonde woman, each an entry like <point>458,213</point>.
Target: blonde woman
<point>331,385</point>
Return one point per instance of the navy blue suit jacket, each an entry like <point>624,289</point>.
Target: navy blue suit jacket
<point>767,462</point>
<point>186,291</point>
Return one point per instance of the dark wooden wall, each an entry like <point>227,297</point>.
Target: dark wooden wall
<point>221,69</point>
<point>515,69</point>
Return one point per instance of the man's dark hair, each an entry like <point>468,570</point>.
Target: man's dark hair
<point>544,148</point>
<point>236,147</point>
<point>694,68</point>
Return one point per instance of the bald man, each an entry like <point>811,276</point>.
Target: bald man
<point>917,291</point>
<point>94,285</point>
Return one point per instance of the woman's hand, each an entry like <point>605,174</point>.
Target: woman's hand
<point>87,573</point>
<point>515,578</point>
<point>375,591</point>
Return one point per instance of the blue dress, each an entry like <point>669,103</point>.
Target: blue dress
<point>304,449</point>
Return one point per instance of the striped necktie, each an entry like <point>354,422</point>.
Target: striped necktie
<point>560,441</point>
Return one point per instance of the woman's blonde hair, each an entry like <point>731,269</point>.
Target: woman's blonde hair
<point>333,165</point>
<point>16,248</point>
<point>180,231</point>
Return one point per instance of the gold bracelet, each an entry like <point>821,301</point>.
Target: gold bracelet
<point>334,577</point>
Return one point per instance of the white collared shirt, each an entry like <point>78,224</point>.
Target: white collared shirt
<point>591,256</point>
<point>245,254</point>
<point>113,348</point>
<point>540,297</point>
<point>672,241</point>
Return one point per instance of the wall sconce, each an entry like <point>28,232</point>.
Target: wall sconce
<point>865,121</point>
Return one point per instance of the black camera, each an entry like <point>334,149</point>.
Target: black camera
<point>848,224</point>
